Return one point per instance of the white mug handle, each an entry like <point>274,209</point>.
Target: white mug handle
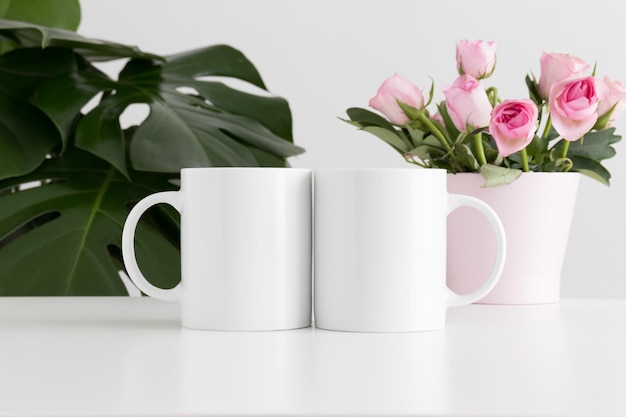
<point>455,201</point>
<point>128,245</point>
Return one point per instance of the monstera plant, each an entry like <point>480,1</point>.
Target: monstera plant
<point>62,14</point>
<point>70,172</point>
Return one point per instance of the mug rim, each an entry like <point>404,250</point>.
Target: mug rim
<point>384,169</point>
<point>207,169</point>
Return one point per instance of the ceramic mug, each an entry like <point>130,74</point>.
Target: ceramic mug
<point>380,249</point>
<point>245,248</point>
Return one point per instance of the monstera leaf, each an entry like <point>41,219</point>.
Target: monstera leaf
<point>62,235</point>
<point>24,34</point>
<point>64,14</point>
<point>213,124</point>
<point>26,134</point>
<point>206,133</point>
<point>68,176</point>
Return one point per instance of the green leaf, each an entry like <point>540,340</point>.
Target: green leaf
<point>63,14</point>
<point>217,60</point>
<point>492,156</point>
<point>63,238</point>
<point>423,152</point>
<point>430,152</point>
<point>533,90</point>
<point>367,118</point>
<point>552,134</point>
<point>603,120</point>
<point>591,168</point>
<point>206,134</point>
<point>464,156</point>
<point>411,112</point>
<point>26,134</point>
<point>392,138</point>
<point>559,165</point>
<point>26,137</point>
<point>196,145</point>
<point>63,97</point>
<point>537,147</point>
<point>443,164</point>
<point>373,123</point>
<point>433,142</point>
<point>30,35</point>
<point>23,70</point>
<point>4,7</point>
<point>431,93</point>
<point>272,112</point>
<point>100,133</point>
<point>496,176</point>
<point>214,125</point>
<point>453,132</point>
<point>416,135</point>
<point>594,174</point>
<point>594,145</point>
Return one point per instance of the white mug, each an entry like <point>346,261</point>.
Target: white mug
<point>245,248</point>
<point>380,249</point>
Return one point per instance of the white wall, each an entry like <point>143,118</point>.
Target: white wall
<point>324,56</point>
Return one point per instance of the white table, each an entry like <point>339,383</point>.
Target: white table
<point>130,357</point>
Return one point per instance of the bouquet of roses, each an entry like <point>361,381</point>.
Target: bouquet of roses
<point>564,125</point>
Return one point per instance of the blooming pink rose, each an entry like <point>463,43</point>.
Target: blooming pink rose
<point>477,58</point>
<point>513,125</point>
<point>558,67</point>
<point>574,105</point>
<point>616,97</point>
<point>394,89</point>
<point>467,103</point>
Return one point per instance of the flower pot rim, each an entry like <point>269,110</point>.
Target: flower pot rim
<point>527,179</point>
<point>523,173</point>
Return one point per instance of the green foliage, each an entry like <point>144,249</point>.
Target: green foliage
<point>62,237</point>
<point>427,143</point>
<point>587,153</point>
<point>68,178</point>
<point>61,14</point>
<point>497,175</point>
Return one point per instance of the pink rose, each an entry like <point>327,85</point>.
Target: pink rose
<point>513,125</point>
<point>616,97</point>
<point>574,105</point>
<point>394,89</point>
<point>558,67</point>
<point>477,58</point>
<point>467,103</point>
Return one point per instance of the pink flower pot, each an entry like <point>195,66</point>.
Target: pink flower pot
<point>536,211</point>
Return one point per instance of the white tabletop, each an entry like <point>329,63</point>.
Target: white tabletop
<point>130,357</point>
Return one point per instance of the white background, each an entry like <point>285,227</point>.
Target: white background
<point>324,56</point>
